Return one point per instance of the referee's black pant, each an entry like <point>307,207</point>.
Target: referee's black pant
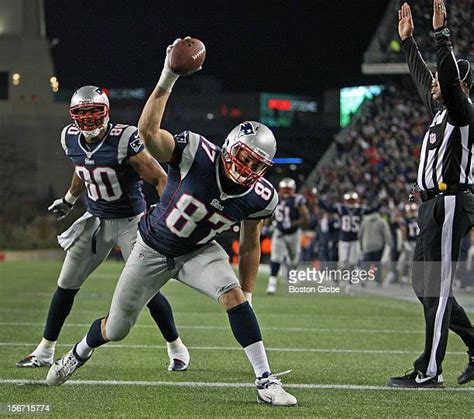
<point>443,222</point>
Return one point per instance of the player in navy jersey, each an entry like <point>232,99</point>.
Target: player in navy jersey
<point>110,161</point>
<point>350,213</point>
<point>290,215</point>
<point>208,191</point>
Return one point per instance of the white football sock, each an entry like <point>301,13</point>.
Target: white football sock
<point>176,345</point>
<point>45,349</point>
<point>258,358</point>
<point>177,350</point>
<point>83,350</point>
<point>248,296</point>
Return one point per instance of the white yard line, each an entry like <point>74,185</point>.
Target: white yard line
<point>237,348</point>
<point>229,385</point>
<point>202,327</point>
<point>301,316</point>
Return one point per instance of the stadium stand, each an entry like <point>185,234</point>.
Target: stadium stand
<point>385,46</point>
<point>377,154</point>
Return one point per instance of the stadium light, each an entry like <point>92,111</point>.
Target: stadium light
<point>16,79</point>
<point>53,81</point>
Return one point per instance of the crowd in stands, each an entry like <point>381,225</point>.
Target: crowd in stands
<point>379,152</point>
<point>377,156</point>
<point>460,22</point>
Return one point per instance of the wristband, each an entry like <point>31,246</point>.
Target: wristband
<point>167,80</point>
<point>442,34</point>
<point>70,199</point>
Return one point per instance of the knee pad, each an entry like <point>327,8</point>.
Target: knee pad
<point>117,329</point>
<point>70,281</point>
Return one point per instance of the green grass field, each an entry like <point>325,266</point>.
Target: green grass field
<point>341,349</point>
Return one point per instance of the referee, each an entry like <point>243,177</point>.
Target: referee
<point>446,215</point>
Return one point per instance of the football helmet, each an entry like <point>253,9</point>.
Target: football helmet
<point>411,209</point>
<point>247,152</point>
<point>287,187</point>
<point>351,199</point>
<point>89,109</point>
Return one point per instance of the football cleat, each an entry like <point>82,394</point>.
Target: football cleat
<point>270,390</point>
<point>63,368</point>
<point>468,373</point>
<point>416,379</point>
<point>272,285</point>
<point>179,359</point>
<point>33,361</point>
<point>271,289</point>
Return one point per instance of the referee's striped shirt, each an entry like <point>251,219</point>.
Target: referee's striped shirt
<point>446,154</point>
<point>447,149</point>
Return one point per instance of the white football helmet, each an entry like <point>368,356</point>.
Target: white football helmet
<point>90,109</point>
<point>411,209</point>
<point>287,187</point>
<point>351,199</point>
<point>247,152</point>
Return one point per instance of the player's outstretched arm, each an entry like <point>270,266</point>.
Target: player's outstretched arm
<point>150,170</point>
<point>249,254</point>
<point>303,219</point>
<point>77,186</point>
<point>159,142</point>
<point>327,207</point>
<point>62,206</point>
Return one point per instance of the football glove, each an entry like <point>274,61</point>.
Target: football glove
<point>61,208</point>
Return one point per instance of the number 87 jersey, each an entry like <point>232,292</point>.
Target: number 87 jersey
<point>194,208</point>
<point>114,189</point>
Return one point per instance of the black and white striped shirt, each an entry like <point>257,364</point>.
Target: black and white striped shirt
<point>446,154</point>
<point>447,150</point>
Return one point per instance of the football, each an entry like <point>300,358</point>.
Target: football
<point>187,56</point>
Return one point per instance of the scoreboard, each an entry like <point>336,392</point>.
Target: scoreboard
<point>351,98</point>
<point>282,110</point>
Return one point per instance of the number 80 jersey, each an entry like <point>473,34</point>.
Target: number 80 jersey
<point>194,209</point>
<point>114,189</point>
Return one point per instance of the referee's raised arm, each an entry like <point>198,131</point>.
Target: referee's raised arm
<point>420,73</point>
<point>454,76</point>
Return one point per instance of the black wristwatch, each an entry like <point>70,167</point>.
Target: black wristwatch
<point>442,33</point>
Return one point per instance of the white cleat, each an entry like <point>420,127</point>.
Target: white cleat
<point>179,359</point>
<point>34,361</point>
<point>270,391</point>
<point>64,367</point>
<point>271,289</point>
<point>388,279</point>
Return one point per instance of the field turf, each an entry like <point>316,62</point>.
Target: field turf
<point>341,350</point>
